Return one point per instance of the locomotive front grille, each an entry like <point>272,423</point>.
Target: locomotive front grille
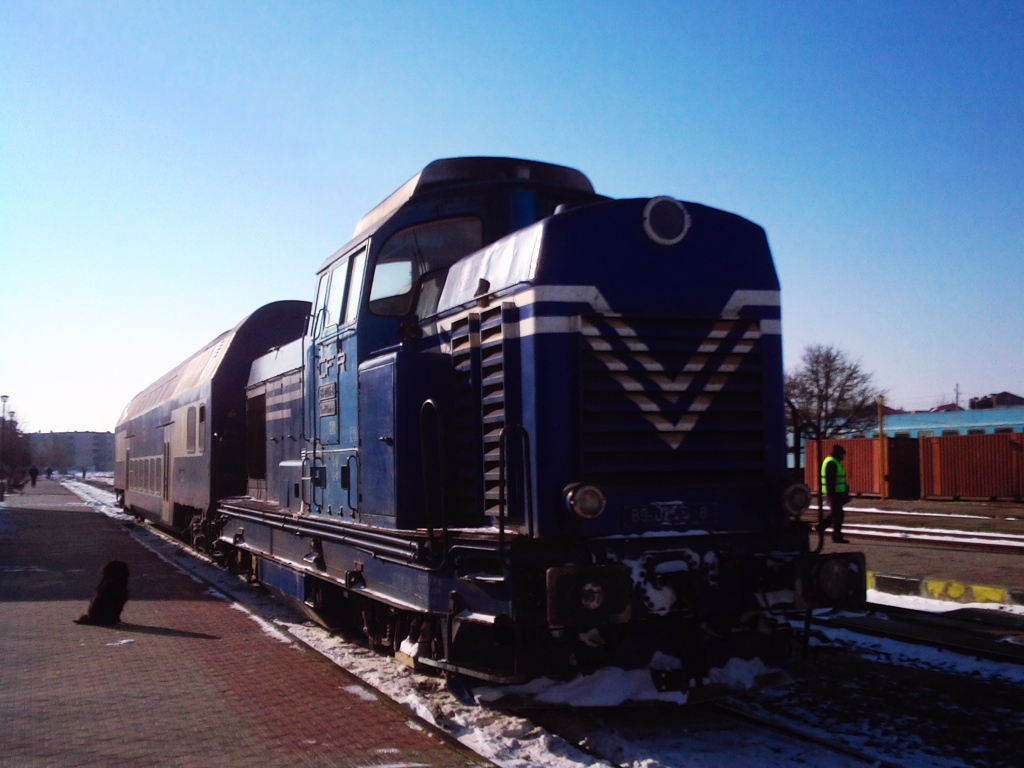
<point>466,414</point>
<point>492,405</point>
<point>480,356</point>
<point>671,402</point>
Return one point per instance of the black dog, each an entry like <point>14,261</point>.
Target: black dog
<point>111,595</point>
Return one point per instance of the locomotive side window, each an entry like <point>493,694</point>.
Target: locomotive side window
<point>316,326</point>
<point>336,293</point>
<point>355,286</point>
<point>415,251</point>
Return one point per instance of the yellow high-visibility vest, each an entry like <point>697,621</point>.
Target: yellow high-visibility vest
<point>841,486</point>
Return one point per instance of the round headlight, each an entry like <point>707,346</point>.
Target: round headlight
<point>587,501</point>
<point>666,221</point>
<point>796,499</point>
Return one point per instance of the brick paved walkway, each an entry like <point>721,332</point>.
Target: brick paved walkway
<point>185,680</point>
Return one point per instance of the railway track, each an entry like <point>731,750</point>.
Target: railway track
<point>976,632</point>
<point>660,735</point>
<point>949,538</point>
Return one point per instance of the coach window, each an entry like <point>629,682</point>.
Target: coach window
<point>190,430</point>
<point>415,251</point>
<point>950,432</point>
<point>201,436</point>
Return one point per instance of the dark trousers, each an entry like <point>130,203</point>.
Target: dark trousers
<point>835,517</point>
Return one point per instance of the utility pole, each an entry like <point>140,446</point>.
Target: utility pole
<point>956,396</point>
<point>3,444</point>
<point>3,432</point>
<point>883,450</point>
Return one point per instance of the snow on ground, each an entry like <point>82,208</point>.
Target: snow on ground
<point>905,513</point>
<point>515,742</point>
<point>936,606</point>
<point>908,654</point>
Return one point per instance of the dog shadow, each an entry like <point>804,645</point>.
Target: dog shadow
<point>145,629</point>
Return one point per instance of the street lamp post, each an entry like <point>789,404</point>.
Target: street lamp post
<point>3,444</point>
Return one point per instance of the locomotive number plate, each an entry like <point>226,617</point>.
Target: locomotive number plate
<point>666,513</point>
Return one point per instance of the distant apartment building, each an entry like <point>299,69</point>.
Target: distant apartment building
<point>72,451</point>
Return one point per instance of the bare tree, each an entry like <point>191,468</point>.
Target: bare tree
<point>828,395</point>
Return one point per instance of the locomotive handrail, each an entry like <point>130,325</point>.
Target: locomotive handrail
<point>377,544</point>
<point>431,405</point>
<point>503,491</point>
<point>304,476</point>
<point>348,465</point>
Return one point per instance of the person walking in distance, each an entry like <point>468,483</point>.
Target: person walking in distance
<point>33,473</point>
<point>835,486</point>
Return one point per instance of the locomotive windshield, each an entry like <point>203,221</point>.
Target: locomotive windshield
<point>415,251</point>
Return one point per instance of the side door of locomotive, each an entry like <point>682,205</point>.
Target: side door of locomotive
<point>333,464</point>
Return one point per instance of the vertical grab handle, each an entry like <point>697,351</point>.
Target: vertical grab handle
<point>348,485</point>
<point>519,430</point>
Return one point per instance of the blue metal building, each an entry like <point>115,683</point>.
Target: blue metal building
<point>944,424</point>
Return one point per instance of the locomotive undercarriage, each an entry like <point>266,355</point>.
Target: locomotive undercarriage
<point>497,611</point>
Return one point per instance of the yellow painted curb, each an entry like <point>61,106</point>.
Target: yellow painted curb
<point>944,589</point>
<point>990,595</point>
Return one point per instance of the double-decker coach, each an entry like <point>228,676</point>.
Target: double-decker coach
<point>180,443</point>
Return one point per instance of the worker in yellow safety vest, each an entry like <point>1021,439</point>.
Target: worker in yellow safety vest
<point>835,486</point>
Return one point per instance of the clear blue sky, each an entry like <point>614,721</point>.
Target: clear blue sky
<point>166,167</point>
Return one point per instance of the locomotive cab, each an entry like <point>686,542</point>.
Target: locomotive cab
<point>372,297</point>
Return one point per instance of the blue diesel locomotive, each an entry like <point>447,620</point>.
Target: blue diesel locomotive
<point>526,430</point>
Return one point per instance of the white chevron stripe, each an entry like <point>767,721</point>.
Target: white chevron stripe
<point>671,387</point>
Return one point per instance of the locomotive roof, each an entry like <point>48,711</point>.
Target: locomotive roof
<point>463,170</point>
<point>276,362</point>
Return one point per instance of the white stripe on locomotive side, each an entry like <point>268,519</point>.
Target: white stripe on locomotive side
<point>592,297</point>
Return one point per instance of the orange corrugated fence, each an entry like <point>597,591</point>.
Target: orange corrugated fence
<point>973,467</point>
<point>986,467</point>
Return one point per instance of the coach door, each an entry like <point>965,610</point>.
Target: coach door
<point>335,422</point>
<point>166,506</point>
